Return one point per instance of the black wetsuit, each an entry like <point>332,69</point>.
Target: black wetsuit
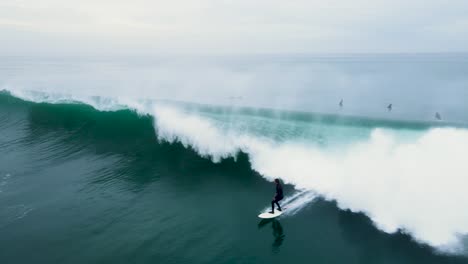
<point>278,197</point>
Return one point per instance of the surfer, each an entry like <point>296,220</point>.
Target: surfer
<point>389,107</point>
<point>278,197</point>
<point>341,103</point>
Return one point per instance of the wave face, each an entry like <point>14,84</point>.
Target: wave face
<point>405,176</point>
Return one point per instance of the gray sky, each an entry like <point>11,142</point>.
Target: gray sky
<point>233,26</point>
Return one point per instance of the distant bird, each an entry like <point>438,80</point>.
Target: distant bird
<point>437,116</point>
<point>341,103</point>
<point>389,107</point>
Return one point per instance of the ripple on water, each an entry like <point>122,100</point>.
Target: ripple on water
<point>10,214</point>
<point>4,181</point>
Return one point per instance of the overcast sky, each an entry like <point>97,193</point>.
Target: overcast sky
<point>233,26</point>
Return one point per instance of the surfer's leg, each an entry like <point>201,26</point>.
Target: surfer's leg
<point>277,204</point>
<point>272,207</point>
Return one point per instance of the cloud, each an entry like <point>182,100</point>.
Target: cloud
<point>240,26</point>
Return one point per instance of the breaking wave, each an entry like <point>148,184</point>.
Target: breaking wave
<point>408,178</point>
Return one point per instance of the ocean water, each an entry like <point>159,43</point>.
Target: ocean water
<point>171,159</point>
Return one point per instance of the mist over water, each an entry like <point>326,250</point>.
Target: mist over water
<point>418,85</point>
<point>402,169</point>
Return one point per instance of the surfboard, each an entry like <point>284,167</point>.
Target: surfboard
<point>268,215</point>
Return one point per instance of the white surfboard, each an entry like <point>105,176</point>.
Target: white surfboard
<point>268,215</point>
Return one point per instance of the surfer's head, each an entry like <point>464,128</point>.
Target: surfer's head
<point>277,181</point>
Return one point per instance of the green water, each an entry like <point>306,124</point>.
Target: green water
<point>82,186</point>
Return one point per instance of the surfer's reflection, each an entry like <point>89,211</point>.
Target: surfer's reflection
<point>278,234</point>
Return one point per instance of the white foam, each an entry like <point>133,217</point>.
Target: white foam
<point>98,102</point>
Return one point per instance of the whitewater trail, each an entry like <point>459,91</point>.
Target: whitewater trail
<point>294,203</point>
<point>417,187</point>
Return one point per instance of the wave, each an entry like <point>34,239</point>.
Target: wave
<point>411,187</point>
<point>405,178</point>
